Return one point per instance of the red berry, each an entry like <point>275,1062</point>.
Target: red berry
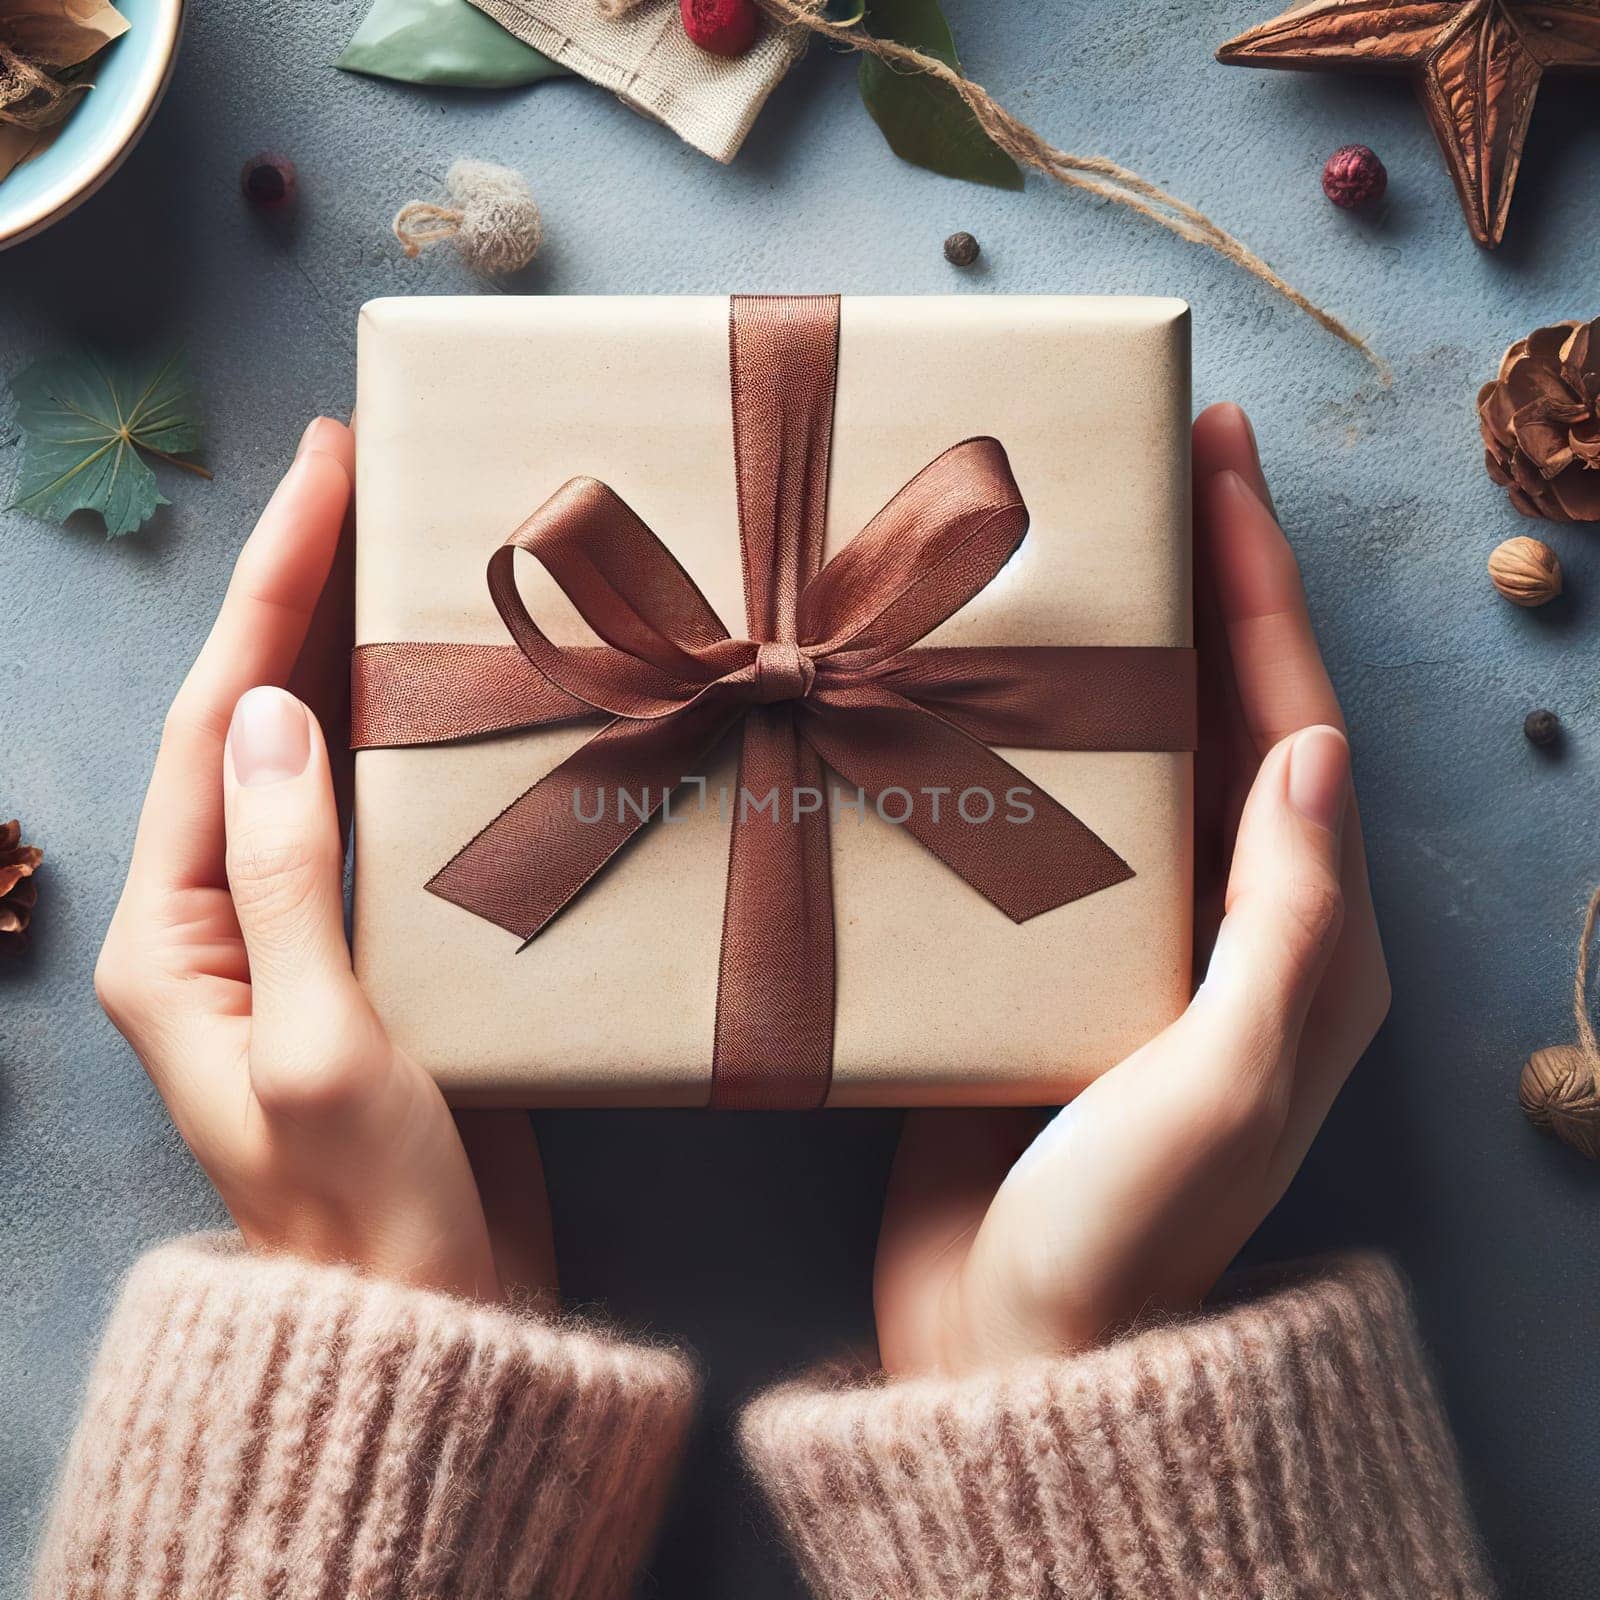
<point>268,180</point>
<point>724,27</point>
<point>1353,177</point>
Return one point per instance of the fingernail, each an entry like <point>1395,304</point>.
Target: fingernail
<point>1250,431</point>
<point>1237,483</point>
<point>1242,485</point>
<point>269,738</point>
<point>1319,776</point>
<point>320,434</point>
<point>1265,497</point>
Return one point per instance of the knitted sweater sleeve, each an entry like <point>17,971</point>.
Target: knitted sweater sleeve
<point>257,1426</point>
<point>1286,1444</point>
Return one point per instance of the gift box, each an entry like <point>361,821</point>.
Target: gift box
<point>776,701</point>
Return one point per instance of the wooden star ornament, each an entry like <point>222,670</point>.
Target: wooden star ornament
<point>1477,63</point>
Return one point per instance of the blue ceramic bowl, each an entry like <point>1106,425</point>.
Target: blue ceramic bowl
<point>130,78</point>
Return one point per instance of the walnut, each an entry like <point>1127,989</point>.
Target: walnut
<point>1526,571</point>
<point>1559,1095</point>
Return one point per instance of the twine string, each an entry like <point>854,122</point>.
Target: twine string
<point>1560,1087</point>
<point>421,223</point>
<point>1094,175</point>
<point>1580,990</point>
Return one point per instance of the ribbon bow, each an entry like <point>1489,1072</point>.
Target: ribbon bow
<point>828,678</point>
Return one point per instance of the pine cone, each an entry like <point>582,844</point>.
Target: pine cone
<point>18,893</point>
<point>1541,423</point>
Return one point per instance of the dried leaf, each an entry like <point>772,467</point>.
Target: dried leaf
<point>23,144</point>
<point>59,33</point>
<point>85,418</point>
<point>16,145</point>
<point>29,96</point>
<point>926,122</point>
<point>446,42</point>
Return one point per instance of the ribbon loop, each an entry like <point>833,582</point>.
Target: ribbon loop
<point>936,544</point>
<point>667,644</point>
<point>623,580</point>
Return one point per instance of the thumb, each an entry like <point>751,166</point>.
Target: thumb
<point>1284,904</point>
<point>285,871</point>
<point>1142,1190</point>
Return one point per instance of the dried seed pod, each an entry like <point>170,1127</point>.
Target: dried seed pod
<point>19,893</point>
<point>1541,423</point>
<point>494,222</point>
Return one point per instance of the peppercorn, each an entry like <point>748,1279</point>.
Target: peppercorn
<point>961,249</point>
<point>268,180</point>
<point>1542,728</point>
<point>1353,177</point>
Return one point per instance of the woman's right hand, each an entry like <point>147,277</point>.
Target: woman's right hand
<point>1136,1197</point>
<point>227,970</point>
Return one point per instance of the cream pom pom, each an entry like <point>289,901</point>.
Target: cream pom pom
<point>494,220</point>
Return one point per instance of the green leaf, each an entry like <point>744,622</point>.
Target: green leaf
<point>445,42</point>
<point>926,122</point>
<point>84,419</point>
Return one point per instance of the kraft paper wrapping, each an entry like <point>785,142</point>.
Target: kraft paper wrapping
<point>473,411</point>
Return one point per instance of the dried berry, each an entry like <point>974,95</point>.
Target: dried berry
<point>961,249</point>
<point>1354,176</point>
<point>268,180</point>
<point>724,27</point>
<point>1542,727</point>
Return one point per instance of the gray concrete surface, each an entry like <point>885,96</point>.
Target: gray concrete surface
<point>752,1236</point>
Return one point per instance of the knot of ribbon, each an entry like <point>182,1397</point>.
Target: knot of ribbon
<point>831,677</point>
<point>783,672</point>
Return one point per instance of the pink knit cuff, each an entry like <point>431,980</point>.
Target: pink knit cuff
<point>1290,1444</point>
<point>259,1427</point>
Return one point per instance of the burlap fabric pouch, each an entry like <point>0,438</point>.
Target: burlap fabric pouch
<point>641,52</point>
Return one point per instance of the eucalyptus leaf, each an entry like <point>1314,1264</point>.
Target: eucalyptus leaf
<point>85,418</point>
<point>926,122</point>
<point>448,43</point>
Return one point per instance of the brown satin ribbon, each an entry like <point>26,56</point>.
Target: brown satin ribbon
<point>828,678</point>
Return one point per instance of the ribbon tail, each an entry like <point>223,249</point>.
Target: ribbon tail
<point>1021,849</point>
<point>1055,697</point>
<point>775,988</point>
<point>546,846</point>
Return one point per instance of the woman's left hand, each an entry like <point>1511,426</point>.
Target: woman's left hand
<point>226,965</point>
